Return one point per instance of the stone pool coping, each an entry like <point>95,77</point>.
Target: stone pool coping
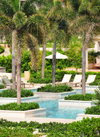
<point>22,114</point>
<point>54,95</point>
<point>5,100</point>
<point>74,103</point>
<point>81,116</point>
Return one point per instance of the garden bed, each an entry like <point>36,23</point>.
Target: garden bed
<point>86,97</point>
<point>13,93</point>
<point>21,110</point>
<point>55,89</point>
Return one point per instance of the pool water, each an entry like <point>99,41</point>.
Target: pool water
<point>54,112</point>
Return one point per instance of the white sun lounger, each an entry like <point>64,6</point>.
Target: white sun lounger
<point>90,79</point>
<point>66,78</point>
<point>77,80</point>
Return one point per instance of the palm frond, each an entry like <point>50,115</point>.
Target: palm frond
<point>33,46</point>
<point>19,19</point>
<point>29,7</point>
<point>6,8</point>
<point>6,22</point>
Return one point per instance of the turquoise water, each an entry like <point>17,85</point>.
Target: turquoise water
<point>54,112</point>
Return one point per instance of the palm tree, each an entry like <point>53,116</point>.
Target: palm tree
<point>58,31</point>
<point>87,21</point>
<point>18,18</point>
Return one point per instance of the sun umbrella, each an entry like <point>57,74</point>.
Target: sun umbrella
<point>58,56</point>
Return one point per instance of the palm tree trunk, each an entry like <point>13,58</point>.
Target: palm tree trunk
<point>14,42</point>
<point>85,43</point>
<point>18,74</point>
<point>83,67</point>
<point>43,59</point>
<point>54,64</point>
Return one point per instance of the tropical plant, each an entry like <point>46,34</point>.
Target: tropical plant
<point>19,18</point>
<point>86,23</point>
<point>58,31</point>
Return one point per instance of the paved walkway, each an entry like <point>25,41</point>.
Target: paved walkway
<point>38,119</point>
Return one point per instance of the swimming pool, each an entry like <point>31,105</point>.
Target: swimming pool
<point>53,110</point>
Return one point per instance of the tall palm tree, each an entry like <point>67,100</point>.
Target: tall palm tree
<point>87,21</point>
<point>18,18</point>
<point>58,31</point>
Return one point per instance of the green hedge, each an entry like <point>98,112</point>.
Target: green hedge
<point>85,128</point>
<point>12,93</point>
<point>57,89</point>
<point>2,86</point>
<point>93,110</point>
<point>86,97</point>
<point>21,107</point>
<point>36,77</point>
<point>1,49</point>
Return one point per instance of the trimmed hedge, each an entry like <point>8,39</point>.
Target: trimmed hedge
<point>93,110</point>
<point>2,86</point>
<point>85,128</point>
<point>86,97</point>
<point>36,77</point>
<point>21,107</point>
<point>57,89</point>
<point>12,93</point>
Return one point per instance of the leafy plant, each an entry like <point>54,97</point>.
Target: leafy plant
<point>86,97</point>
<point>21,107</point>
<point>2,86</point>
<point>1,49</point>
<point>57,89</point>
<point>93,110</point>
<point>12,93</point>
<point>97,91</point>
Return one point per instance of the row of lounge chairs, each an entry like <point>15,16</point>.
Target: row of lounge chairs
<point>77,79</point>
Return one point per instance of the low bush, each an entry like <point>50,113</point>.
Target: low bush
<point>21,107</point>
<point>93,110</point>
<point>85,128</point>
<point>86,97</point>
<point>1,49</point>
<point>12,93</point>
<point>57,89</point>
<point>16,132</point>
<point>2,86</point>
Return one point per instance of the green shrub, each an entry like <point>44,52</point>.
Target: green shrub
<point>6,62</point>
<point>2,86</point>
<point>21,107</point>
<point>57,89</point>
<point>12,93</point>
<point>93,110</point>
<point>15,132</point>
<point>1,49</point>
<point>36,77</point>
<point>85,128</point>
<point>86,97</point>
